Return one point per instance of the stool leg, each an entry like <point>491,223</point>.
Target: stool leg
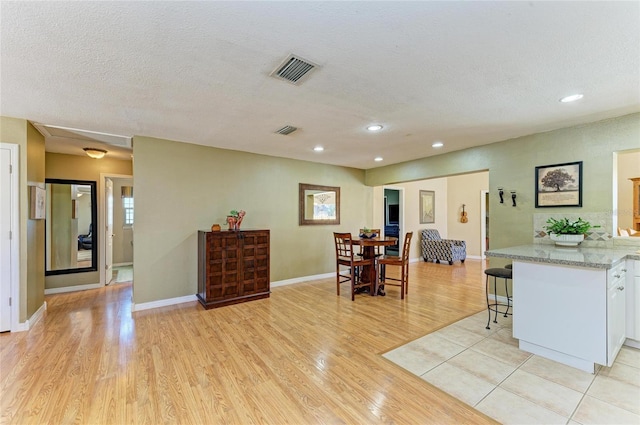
<point>506,289</point>
<point>488,307</point>
<point>495,300</point>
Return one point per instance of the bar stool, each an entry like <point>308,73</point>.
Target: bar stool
<point>498,273</point>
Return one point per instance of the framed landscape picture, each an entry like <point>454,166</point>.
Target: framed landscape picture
<point>427,206</point>
<point>559,185</point>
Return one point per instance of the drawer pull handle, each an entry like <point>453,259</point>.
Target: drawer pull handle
<point>620,288</point>
<point>624,270</point>
<point>616,276</point>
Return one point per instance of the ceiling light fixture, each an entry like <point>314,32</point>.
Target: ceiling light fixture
<point>437,145</point>
<point>378,158</point>
<point>318,149</point>
<point>95,152</point>
<point>571,98</point>
<point>374,127</point>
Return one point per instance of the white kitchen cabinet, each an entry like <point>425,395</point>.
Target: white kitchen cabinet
<point>633,303</point>
<point>573,315</point>
<point>616,309</point>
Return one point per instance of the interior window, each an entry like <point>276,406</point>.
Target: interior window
<point>127,204</point>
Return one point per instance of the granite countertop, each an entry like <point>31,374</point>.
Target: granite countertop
<point>593,257</point>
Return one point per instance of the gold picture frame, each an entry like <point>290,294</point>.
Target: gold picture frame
<point>318,204</point>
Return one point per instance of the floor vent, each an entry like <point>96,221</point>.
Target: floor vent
<point>293,69</point>
<point>287,129</point>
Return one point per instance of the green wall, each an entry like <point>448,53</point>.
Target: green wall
<point>31,171</point>
<point>182,188</point>
<point>512,163</point>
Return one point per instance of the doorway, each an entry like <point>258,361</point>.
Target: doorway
<point>9,237</point>
<point>393,213</point>
<point>116,203</point>
<point>484,223</point>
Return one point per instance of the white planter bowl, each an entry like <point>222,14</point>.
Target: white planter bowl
<point>566,240</point>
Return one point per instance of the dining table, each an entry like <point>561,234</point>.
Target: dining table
<point>369,245</point>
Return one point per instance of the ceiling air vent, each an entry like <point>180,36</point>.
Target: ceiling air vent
<point>293,69</point>
<point>287,129</point>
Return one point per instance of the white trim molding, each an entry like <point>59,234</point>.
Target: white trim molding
<point>162,303</point>
<point>73,288</point>
<point>14,154</point>
<point>31,322</point>
<point>302,279</point>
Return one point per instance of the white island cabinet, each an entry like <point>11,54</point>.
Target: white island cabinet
<point>570,305</point>
<point>633,303</point>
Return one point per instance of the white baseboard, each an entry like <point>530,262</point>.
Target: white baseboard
<point>162,303</point>
<point>122,264</point>
<point>475,257</point>
<point>189,298</point>
<point>318,276</point>
<point>31,321</point>
<point>302,279</point>
<point>73,288</point>
<point>632,343</point>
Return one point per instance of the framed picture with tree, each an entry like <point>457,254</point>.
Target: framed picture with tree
<point>559,185</point>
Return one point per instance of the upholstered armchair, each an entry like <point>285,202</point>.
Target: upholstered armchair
<point>438,249</point>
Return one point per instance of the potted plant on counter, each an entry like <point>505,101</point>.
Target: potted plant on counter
<point>565,232</point>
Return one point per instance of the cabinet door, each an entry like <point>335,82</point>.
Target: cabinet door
<point>615,319</point>
<point>635,318</point>
<point>254,276</point>
<point>222,267</point>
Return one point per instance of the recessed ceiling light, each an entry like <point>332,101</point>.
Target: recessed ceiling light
<point>378,158</point>
<point>318,149</point>
<point>437,145</point>
<point>571,98</point>
<point>374,127</point>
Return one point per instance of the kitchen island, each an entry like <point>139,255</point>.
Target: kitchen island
<point>570,304</point>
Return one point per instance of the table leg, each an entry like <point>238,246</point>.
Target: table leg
<point>370,273</point>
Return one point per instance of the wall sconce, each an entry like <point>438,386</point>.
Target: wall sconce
<point>501,193</point>
<point>95,152</point>
<point>513,197</point>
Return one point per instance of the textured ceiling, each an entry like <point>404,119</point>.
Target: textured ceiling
<point>466,73</point>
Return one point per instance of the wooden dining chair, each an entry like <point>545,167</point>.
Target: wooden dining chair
<point>402,261</point>
<point>345,258</point>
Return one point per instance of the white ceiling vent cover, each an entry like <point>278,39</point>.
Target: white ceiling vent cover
<point>293,69</point>
<point>287,129</point>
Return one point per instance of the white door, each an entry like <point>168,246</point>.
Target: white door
<point>5,240</point>
<point>108,234</point>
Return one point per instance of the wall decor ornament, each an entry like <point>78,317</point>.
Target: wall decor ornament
<point>427,206</point>
<point>38,198</point>
<point>559,185</point>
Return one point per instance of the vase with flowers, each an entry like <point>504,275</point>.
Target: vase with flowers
<point>234,219</point>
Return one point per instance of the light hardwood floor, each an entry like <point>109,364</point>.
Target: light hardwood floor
<point>303,356</point>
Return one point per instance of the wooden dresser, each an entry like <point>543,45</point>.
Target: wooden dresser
<point>233,267</point>
<point>636,203</point>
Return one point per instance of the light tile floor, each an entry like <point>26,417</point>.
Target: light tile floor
<point>122,274</point>
<point>485,369</point>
